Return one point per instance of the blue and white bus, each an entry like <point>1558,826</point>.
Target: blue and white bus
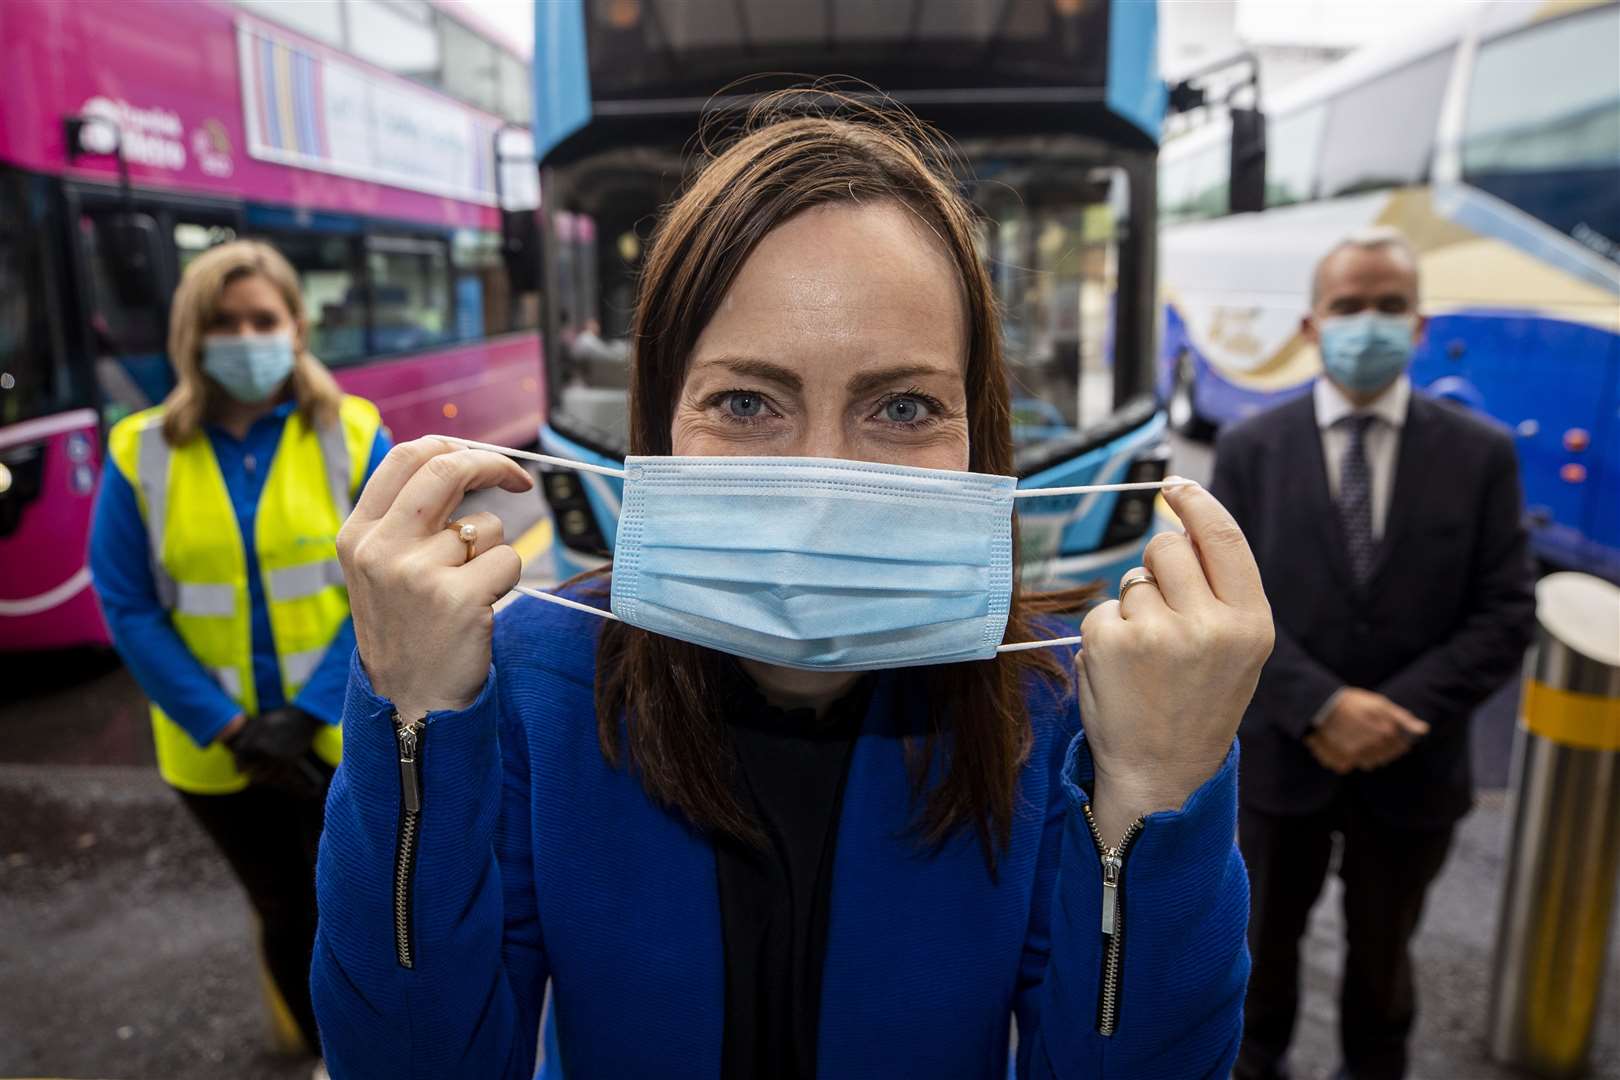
<point>1493,142</point>
<point>1056,107</point>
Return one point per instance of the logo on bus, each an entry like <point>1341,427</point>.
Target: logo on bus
<point>150,136</point>
<point>212,146</point>
<point>1233,329</point>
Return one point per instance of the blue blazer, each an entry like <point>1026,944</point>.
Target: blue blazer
<point>537,862</point>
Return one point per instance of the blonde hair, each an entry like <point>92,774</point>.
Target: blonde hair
<point>195,302</point>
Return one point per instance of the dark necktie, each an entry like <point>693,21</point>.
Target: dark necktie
<point>1355,498</point>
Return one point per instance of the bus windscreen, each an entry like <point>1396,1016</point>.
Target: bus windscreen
<point>660,49</point>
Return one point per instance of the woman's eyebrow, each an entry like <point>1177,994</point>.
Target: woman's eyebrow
<point>754,368</point>
<point>868,381</point>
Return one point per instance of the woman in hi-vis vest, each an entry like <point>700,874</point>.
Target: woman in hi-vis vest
<point>213,555</point>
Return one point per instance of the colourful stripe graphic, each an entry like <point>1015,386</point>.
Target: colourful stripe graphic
<point>291,99</point>
<point>323,146</point>
<point>285,114</point>
<point>289,85</point>
<point>268,121</point>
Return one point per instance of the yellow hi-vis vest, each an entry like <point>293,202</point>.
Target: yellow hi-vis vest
<point>200,564</point>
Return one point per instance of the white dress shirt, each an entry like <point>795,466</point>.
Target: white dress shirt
<point>1382,445</point>
<point>1382,442</point>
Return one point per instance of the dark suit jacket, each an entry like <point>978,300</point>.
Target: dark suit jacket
<point>1442,622</point>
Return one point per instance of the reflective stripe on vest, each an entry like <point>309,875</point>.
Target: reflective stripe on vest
<point>339,464</point>
<point>152,470</point>
<point>191,598</point>
<point>231,680</point>
<point>296,582</point>
<point>199,564</point>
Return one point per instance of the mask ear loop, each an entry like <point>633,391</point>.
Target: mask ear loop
<point>545,459</point>
<point>1051,643</point>
<point>1081,489</point>
<point>563,601</point>
<point>585,466</point>
<point>529,455</point>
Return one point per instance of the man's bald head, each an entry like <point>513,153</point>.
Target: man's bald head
<point>1360,271</point>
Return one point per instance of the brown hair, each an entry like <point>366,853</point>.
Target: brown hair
<point>195,301</point>
<point>796,153</point>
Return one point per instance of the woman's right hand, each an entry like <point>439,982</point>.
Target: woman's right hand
<point>423,614</point>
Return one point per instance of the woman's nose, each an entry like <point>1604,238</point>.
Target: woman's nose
<point>824,440</point>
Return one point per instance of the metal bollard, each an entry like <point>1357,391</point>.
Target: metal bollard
<point>1558,898</point>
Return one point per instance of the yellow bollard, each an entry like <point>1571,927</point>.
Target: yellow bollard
<point>1558,896</point>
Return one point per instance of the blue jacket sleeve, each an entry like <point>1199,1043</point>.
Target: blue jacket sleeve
<point>470,1003</point>
<point>1185,960</point>
<point>322,695</point>
<point>121,570</point>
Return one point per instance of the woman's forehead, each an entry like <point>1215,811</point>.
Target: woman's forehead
<point>844,285</point>
<point>250,290</point>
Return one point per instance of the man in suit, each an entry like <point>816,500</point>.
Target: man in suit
<point>1387,528</point>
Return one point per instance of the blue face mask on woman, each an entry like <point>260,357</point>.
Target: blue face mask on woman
<point>816,563</point>
<point>250,367</point>
<point>1366,352</point>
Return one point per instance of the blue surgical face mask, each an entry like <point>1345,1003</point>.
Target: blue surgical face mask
<point>1366,352</point>
<point>813,563</point>
<point>816,563</point>
<point>250,367</point>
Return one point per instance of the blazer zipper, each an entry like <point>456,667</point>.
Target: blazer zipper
<point>409,733</point>
<point>1113,918</point>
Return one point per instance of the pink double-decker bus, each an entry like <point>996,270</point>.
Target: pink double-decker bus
<point>135,135</point>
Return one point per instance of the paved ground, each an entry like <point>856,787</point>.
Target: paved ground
<point>125,946</point>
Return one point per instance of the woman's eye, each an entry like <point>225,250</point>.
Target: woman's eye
<point>744,406</point>
<point>905,410</point>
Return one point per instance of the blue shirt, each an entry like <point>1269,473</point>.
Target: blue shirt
<point>539,862</point>
<point>121,568</point>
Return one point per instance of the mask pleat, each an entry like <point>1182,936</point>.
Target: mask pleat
<point>814,612</point>
<point>842,651</point>
<point>874,573</point>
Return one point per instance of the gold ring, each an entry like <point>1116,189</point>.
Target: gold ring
<point>467,533</point>
<point>1139,576</point>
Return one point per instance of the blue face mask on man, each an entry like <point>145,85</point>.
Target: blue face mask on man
<point>250,367</point>
<point>820,564</point>
<point>1368,351</point>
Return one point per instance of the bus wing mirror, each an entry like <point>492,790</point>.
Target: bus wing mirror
<point>1247,192</point>
<point>520,247</point>
<point>133,246</point>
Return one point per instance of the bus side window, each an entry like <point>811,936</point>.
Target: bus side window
<point>1293,149</point>
<point>1542,127</point>
<point>192,238</point>
<point>411,302</point>
<point>334,300</point>
<point>128,338</point>
<point>33,379</point>
<point>1381,134</point>
<point>1195,187</point>
<point>486,304</point>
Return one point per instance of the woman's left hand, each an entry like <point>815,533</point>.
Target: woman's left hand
<point>1166,674</point>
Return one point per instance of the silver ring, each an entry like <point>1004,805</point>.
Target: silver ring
<point>1139,576</point>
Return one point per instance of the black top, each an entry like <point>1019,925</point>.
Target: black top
<point>773,902</point>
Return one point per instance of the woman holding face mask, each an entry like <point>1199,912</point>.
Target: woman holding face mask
<point>213,553</point>
<point>775,798</point>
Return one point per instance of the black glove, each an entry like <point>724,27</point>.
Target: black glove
<point>273,748</point>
